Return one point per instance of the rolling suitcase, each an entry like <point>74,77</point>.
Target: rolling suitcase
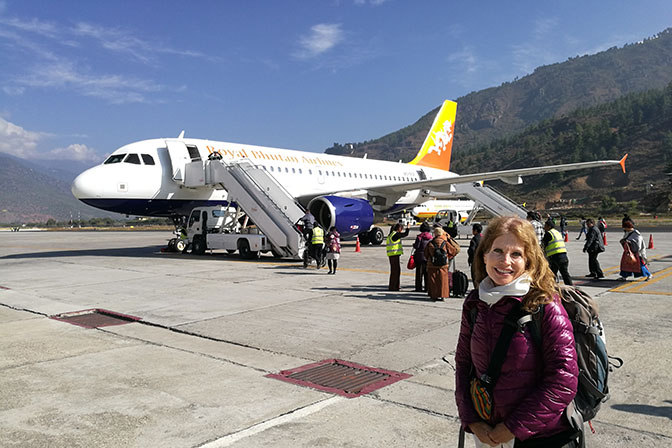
<point>460,284</point>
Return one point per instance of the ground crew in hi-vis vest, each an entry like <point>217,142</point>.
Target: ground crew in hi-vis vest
<point>317,245</point>
<point>556,252</point>
<point>394,252</point>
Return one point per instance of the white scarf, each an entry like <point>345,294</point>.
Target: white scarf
<point>491,293</point>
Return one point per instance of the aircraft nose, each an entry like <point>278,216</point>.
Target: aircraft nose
<point>86,185</point>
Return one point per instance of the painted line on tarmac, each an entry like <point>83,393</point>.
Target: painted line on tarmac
<point>263,426</point>
<point>638,285</point>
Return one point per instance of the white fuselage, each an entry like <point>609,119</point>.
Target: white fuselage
<point>138,187</point>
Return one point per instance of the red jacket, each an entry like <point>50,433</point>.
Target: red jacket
<point>536,383</point>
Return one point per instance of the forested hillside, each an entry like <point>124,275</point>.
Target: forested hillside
<point>639,124</point>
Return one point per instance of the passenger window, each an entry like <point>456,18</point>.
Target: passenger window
<point>319,171</point>
<point>149,160</point>
<point>300,171</point>
<point>293,171</point>
<point>272,169</point>
<point>286,170</point>
<point>132,158</point>
<point>115,158</point>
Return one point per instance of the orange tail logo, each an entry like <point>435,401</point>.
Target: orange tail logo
<point>436,150</point>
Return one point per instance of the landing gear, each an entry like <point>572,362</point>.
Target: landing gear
<point>376,236</point>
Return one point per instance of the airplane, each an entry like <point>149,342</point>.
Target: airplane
<point>428,209</point>
<point>146,178</point>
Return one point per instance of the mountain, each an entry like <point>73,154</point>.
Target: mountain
<point>30,193</point>
<point>551,91</point>
<point>639,124</point>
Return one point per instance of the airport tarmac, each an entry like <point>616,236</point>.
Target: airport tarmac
<point>193,371</point>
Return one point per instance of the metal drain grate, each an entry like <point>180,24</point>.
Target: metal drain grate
<point>340,377</point>
<point>95,318</point>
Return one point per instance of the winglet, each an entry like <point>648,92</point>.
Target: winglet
<point>181,136</point>
<point>622,162</point>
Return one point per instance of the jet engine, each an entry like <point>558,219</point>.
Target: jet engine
<point>350,216</point>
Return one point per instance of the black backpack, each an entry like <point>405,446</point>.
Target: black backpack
<point>591,352</point>
<point>440,257</point>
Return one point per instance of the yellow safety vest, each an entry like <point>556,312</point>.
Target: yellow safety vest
<point>394,247</point>
<point>318,236</point>
<point>556,245</point>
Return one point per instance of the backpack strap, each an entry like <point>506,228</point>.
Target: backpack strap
<point>511,325</point>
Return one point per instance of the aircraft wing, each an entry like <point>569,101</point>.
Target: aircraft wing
<point>509,176</point>
<point>512,176</point>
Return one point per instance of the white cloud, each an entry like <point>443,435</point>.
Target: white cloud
<point>22,143</point>
<point>17,141</point>
<point>466,59</point>
<point>116,89</point>
<point>371,2</point>
<point>79,152</point>
<point>49,67</point>
<point>123,41</point>
<point>322,38</point>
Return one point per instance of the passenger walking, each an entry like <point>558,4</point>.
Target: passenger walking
<point>394,253</point>
<point>594,245</point>
<point>419,245</point>
<point>534,386</point>
<point>535,220</point>
<point>583,228</point>
<point>317,245</point>
<point>333,240</point>
<point>438,274</point>
<point>563,225</point>
<point>633,261</point>
<point>556,252</point>
<point>476,230</point>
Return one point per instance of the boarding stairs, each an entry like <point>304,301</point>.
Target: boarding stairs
<point>272,209</point>
<point>489,199</point>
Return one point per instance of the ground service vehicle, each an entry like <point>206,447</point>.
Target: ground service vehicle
<point>211,228</point>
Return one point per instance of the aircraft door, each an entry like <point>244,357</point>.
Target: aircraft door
<point>179,157</point>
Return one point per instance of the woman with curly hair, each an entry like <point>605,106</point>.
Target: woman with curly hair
<point>525,405</point>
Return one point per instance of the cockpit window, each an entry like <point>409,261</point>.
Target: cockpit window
<point>149,160</point>
<point>132,158</point>
<point>115,158</point>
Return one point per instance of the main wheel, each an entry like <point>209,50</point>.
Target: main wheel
<point>171,244</point>
<point>198,245</point>
<point>180,245</point>
<point>245,252</point>
<point>376,236</point>
<point>363,238</point>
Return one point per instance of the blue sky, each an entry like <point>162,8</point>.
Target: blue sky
<point>80,78</point>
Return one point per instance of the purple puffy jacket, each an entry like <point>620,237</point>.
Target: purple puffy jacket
<point>535,386</point>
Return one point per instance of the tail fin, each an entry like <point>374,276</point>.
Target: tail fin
<point>436,150</point>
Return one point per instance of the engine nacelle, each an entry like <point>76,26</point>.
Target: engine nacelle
<point>350,216</point>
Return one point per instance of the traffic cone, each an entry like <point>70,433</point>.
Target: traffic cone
<point>357,248</point>
<point>650,242</point>
<point>604,238</point>
<point>566,236</point>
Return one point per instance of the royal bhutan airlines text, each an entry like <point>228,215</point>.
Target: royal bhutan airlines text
<point>269,155</point>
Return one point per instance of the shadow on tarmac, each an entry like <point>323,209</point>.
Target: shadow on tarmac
<point>657,411</point>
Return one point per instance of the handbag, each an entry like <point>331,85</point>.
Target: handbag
<point>411,263</point>
<point>629,260</point>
